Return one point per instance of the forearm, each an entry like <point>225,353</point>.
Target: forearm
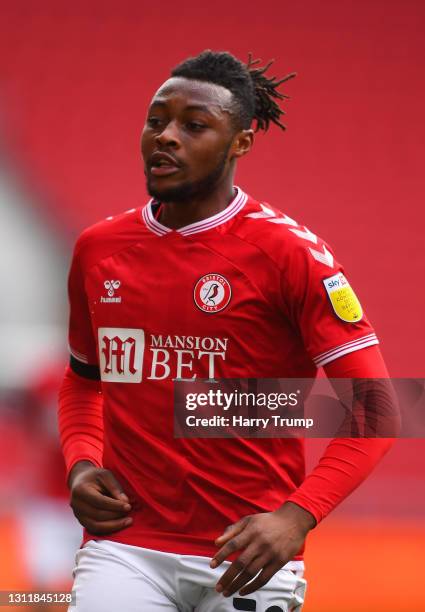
<point>345,464</point>
<point>80,417</point>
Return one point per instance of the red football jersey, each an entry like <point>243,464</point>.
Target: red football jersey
<point>247,293</point>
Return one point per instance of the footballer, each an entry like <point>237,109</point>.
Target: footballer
<point>202,282</point>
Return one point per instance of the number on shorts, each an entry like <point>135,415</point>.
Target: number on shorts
<point>249,605</point>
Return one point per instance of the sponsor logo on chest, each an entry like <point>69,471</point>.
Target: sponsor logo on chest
<point>123,352</point>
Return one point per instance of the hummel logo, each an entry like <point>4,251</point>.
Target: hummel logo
<point>111,286</point>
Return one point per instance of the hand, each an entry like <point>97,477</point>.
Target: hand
<point>268,541</point>
<point>97,499</point>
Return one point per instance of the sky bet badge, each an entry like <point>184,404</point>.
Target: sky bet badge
<point>344,301</point>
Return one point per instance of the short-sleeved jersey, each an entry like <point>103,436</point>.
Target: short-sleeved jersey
<point>247,293</point>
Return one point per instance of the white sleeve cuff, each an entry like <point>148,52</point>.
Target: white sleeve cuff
<point>344,349</point>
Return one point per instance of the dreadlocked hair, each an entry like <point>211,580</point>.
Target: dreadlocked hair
<point>254,93</point>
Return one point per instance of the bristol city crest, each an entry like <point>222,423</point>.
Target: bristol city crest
<point>212,293</point>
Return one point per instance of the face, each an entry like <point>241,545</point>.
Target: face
<point>189,143</point>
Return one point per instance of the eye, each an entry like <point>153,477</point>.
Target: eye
<point>195,126</point>
<point>153,121</point>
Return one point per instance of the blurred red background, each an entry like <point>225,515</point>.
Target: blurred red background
<point>75,82</point>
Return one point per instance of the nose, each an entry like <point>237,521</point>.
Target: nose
<point>169,136</point>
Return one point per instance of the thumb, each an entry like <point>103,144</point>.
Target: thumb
<point>112,486</point>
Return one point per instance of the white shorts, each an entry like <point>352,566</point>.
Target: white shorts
<point>110,577</point>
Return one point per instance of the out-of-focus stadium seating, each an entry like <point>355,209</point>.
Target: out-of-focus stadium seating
<point>75,82</point>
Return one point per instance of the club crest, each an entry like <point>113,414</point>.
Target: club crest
<point>212,293</point>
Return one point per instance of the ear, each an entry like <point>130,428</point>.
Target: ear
<point>242,143</point>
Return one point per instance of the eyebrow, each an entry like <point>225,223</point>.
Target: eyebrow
<point>197,107</point>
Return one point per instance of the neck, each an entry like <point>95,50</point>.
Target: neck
<point>179,214</point>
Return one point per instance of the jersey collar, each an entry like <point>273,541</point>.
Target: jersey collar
<point>230,211</point>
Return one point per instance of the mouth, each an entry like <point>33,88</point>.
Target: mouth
<point>163,164</point>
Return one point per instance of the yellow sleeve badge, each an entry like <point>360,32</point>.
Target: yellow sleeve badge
<point>343,299</point>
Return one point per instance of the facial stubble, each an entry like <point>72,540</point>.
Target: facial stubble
<point>191,190</point>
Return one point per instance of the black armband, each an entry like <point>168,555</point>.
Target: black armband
<point>84,369</point>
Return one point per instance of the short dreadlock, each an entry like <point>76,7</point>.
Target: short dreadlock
<point>253,92</point>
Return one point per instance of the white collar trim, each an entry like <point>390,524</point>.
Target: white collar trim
<point>230,211</point>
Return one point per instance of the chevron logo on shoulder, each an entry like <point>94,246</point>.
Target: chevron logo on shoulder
<point>321,255</point>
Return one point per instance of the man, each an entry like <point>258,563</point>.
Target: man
<point>202,282</point>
